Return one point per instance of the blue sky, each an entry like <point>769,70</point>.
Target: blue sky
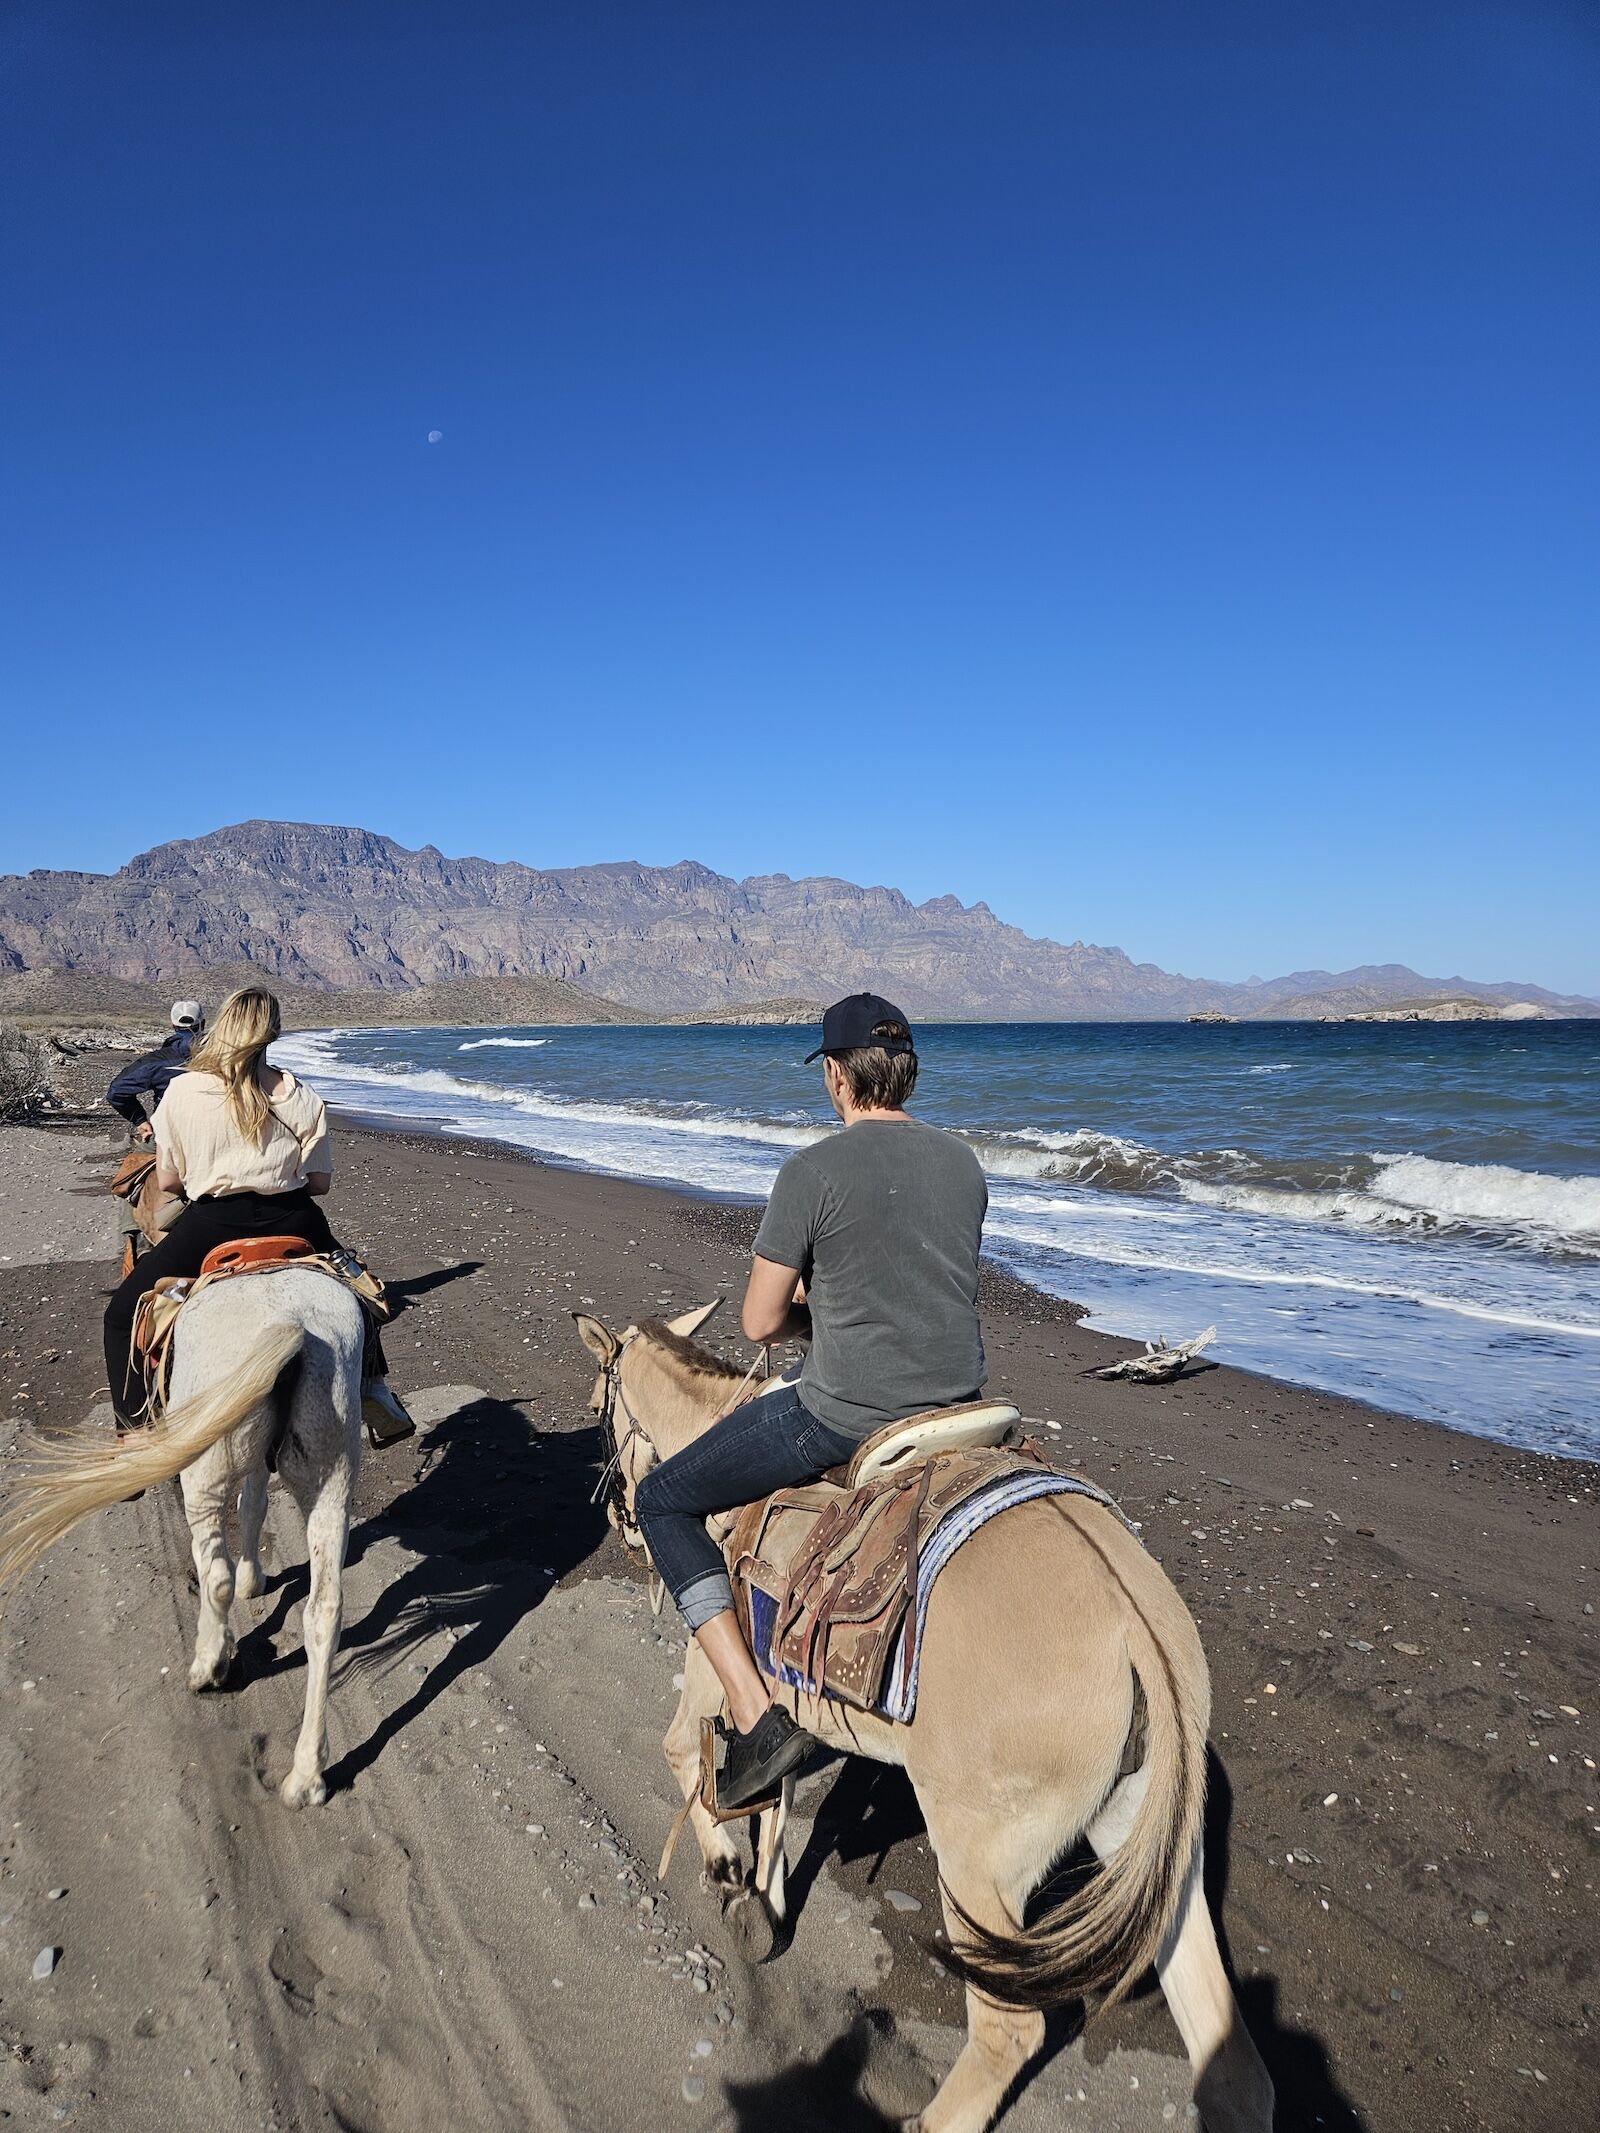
<point>1135,464</point>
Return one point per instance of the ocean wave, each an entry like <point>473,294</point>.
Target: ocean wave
<point>509,1044</point>
<point>1491,1194</point>
<point>1194,1255</point>
<point>1401,1193</point>
<point>1422,1195</point>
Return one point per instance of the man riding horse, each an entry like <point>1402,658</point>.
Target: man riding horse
<point>869,1249</point>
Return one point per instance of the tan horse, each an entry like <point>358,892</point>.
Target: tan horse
<point>1035,1631</point>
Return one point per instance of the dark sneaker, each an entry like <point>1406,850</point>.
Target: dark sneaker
<point>757,1762</point>
<point>385,1416</point>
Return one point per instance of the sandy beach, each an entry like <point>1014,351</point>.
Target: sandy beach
<point>1403,1807</point>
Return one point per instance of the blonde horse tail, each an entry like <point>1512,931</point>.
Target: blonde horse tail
<point>64,1482</point>
<point>1106,1935</point>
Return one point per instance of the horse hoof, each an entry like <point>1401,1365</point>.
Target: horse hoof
<point>309,1792</point>
<point>250,1583</point>
<point>203,1679</point>
<point>751,1926</point>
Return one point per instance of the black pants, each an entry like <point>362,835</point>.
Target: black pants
<point>202,1226</point>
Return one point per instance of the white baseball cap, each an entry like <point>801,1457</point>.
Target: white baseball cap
<point>188,1014</point>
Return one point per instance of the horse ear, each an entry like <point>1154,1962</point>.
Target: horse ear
<point>599,1339</point>
<point>690,1322</point>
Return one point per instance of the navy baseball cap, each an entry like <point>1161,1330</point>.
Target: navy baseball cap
<point>863,1021</point>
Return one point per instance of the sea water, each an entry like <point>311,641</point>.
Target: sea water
<point>1406,1213</point>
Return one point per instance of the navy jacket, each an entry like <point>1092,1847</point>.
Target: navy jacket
<point>149,1076</point>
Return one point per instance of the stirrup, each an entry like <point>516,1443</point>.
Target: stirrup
<point>385,1415</point>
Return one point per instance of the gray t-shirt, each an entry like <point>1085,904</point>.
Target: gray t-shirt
<point>883,1222</point>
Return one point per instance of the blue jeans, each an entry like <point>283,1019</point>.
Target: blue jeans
<point>768,1443</point>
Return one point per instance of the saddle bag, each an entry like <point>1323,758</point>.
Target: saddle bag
<point>824,1575</point>
<point>155,1211</point>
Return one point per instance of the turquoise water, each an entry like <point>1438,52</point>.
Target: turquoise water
<point>1407,1213</point>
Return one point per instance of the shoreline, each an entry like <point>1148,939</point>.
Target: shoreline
<point>1116,1345</point>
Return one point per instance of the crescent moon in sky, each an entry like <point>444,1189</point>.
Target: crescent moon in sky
<point>434,436</point>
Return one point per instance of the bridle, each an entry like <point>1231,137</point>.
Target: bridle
<point>610,1483</point>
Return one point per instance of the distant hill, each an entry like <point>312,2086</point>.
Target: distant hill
<point>344,910</point>
<point>1361,1003</point>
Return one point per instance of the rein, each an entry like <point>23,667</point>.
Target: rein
<point>610,1483</point>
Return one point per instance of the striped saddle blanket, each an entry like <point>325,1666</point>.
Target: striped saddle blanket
<point>832,1583</point>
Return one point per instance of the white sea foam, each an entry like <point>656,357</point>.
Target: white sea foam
<point>1197,1253</point>
<point>1420,1194</point>
<point>1285,1067</point>
<point>1490,1193</point>
<point>508,1044</point>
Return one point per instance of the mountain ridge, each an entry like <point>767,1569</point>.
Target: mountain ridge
<point>337,907</point>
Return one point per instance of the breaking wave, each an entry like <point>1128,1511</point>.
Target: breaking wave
<point>507,1044</point>
<point>1422,1195</point>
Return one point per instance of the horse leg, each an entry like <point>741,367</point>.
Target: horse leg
<point>989,1868</point>
<point>1232,2087</point>
<point>249,1583</point>
<point>327,1530</point>
<point>723,1872</point>
<point>205,1494</point>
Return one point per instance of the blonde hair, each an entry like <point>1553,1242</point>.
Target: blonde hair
<point>233,1049</point>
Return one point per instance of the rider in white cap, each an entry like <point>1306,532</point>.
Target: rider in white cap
<point>151,1075</point>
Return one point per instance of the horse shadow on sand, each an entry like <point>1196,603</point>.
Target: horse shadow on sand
<point>499,1513</point>
<point>871,1808</point>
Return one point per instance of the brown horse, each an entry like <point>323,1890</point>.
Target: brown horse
<point>1035,1632</point>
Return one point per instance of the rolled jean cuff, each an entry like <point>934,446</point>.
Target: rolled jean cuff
<point>704,1598</point>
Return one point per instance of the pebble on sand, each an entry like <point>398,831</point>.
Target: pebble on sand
<point>694,2087</point>
<point>1332,1800</point>
<point>45,1961</point>
<point>898,1900</point>
<point>1480,1918</point>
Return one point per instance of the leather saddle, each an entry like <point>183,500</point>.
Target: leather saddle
<point>155,1319</point>
<point>824,1574</point>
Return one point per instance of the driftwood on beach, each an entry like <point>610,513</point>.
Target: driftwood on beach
<point>1159,1362</point>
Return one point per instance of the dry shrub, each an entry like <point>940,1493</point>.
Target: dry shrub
<point>24,1072</point>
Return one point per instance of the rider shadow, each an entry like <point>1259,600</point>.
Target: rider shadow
<point>497,1526</point>
<point>407,1291</point>
<point>824,2096</point>
<point>1308,2092</point>
<point>870,1807</point>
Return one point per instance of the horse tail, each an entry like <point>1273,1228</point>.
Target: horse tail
<point>64,1482</point>
<point>1105,1935</point>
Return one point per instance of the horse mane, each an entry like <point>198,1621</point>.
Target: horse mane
<point>698,1361</point>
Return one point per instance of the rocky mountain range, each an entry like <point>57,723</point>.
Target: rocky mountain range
<point>332,908</point>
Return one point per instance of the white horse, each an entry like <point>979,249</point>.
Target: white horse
<point>257,1361</point>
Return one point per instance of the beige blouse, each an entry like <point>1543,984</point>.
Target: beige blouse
<point>196,1133</point>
